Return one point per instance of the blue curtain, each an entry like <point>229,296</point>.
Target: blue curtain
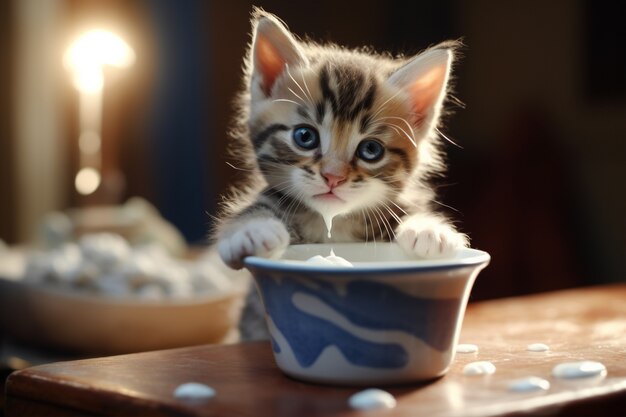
<point>179,122</point>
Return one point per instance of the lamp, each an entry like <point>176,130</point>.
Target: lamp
<point>86,59</point>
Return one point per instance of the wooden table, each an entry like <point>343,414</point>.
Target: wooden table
<point>582,324</point>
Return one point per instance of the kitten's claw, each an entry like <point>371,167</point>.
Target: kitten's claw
<point>267,238</point>
<point>438,241</point>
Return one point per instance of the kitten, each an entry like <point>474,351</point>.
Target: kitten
<point>331,132</point>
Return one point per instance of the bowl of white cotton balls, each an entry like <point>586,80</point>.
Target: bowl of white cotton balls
<point>101,295</point>
<point>361,314</point>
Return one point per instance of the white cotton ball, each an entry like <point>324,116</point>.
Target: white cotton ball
<point>85,274</point>
<point>107,250</point>
<point>63,262</point>
<point>56,229</point>
<point>112,285</point>
<point>138,270</point>
<point>38,267</point>
<point>155,252</point>
<point>150,292</point>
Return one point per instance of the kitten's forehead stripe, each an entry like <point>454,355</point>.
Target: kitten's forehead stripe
<point>320,110</point>
<point>304,113</point>
<point>349,82</point>
<point>350,91</point>
<point>327,93</point>
<point>366,103</point>
<point>365,124</point>
<point>260,138</point>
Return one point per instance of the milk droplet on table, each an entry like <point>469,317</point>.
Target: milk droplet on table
<point>372,398</point>
<point>194,391</point>
<point>479,368</point>
<point>466,348</point>
<point>538,347</point>
<point>582,369</point>
<point>529,384</point>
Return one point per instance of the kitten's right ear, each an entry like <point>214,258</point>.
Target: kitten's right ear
<point>273,48</point>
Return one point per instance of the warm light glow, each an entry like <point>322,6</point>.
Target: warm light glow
<point>89,142</point>
<point>87,181</point>
<point>89,53</point>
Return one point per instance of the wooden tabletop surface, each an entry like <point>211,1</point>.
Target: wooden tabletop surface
<point>581,324</point>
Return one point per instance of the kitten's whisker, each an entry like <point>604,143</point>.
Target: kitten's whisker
<point>286,191</point>
<point>310,99</point>
<point>387,224</point>
<point>296,94</point>
<point>382,106</point>
<point>280,188</point>
<point>285,213</point>
<point>382,219</point>
<point>367,211</point>
<point>380,229</point>
<point>398,129</point>
<point>399,208</point>
<point>239,169</point>
<point>285,100</point>
<point>445,205</point>
<point>448,139</point>
<point>405,122</point>
<point>365,224</point>
<point>294,204</point>
<point>393,214</point>
<point>307,89</point>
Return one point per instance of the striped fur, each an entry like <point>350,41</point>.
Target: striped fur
<point>348,96</point>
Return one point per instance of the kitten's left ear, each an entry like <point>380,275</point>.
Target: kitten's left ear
<point>425,79</point>
<point>273,48</point>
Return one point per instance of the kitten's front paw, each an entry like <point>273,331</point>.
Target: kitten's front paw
<point>435,241</point>
<point>267,238</point>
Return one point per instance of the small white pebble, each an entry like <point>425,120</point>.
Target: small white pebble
<point>538,347</point>
<point>466,348</point>
<point>372,398</point>
<point>194,391</point>
<point>582,369</point>
<point>532,383</point>
<point>479,368</point>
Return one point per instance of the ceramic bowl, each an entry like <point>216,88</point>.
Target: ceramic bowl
<point>388,319</point>
<point>90,324</point>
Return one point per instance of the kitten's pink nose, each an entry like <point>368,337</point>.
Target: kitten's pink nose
<point>333,180</point>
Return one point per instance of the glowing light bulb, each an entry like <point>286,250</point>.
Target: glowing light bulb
<point>87,181</point>
<point>90,52</point>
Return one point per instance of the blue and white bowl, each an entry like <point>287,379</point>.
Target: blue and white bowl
<point>389,319</point>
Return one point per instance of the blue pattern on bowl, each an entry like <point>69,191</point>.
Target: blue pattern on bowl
<point>367,304</point>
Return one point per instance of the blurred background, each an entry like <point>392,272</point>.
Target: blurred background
<point>538,179</point>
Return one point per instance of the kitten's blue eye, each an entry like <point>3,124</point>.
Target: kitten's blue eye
<point>370,150</point>
<point>306,137</point>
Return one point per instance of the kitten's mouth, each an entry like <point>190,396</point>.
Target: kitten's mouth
<point>329,197</point>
